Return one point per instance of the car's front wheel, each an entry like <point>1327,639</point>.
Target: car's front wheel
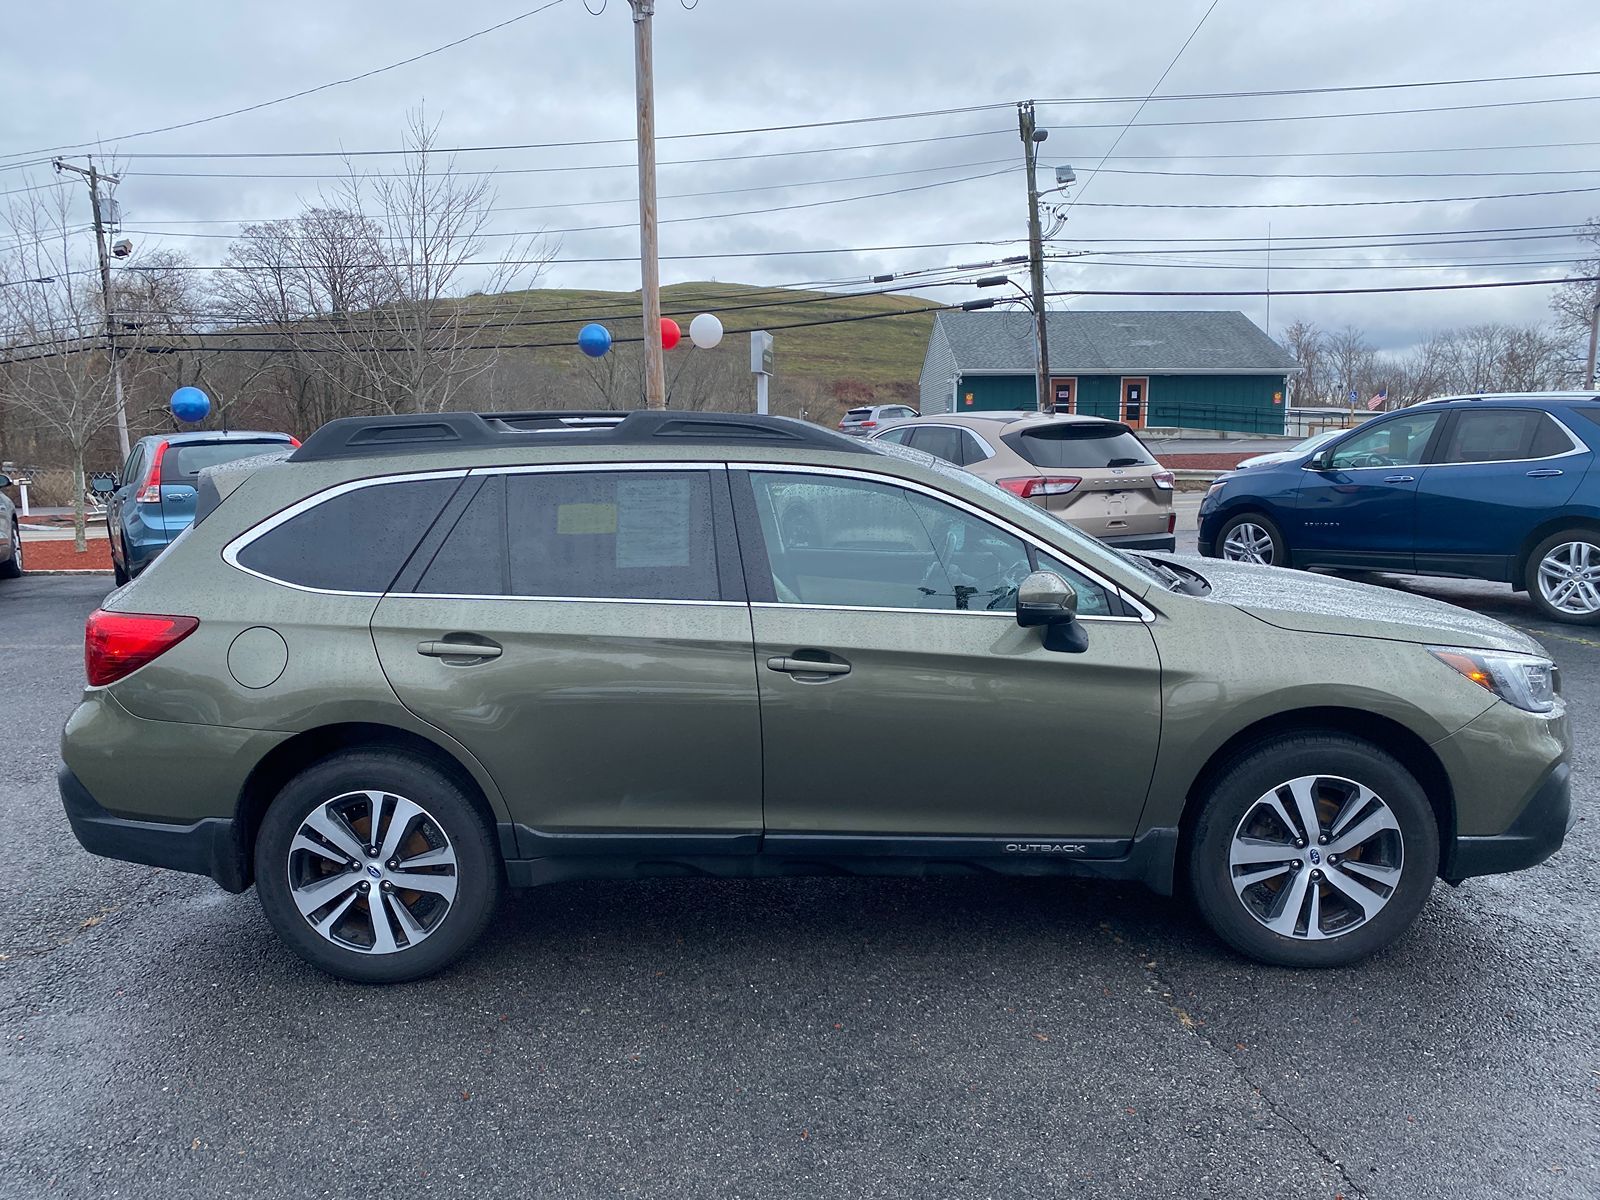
<point>1563,576</point>
<point>1252,538</point>
<point>11,566</point>
<point>1313,850</point>
<point>377,867</point>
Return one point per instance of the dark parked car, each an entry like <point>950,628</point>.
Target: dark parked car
<point>10,534</point>
<point>1496,487</point>
<point>152,500</point>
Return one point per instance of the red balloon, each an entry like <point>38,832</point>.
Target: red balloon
<point>671,335</point>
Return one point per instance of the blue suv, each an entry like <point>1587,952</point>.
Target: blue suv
<point>152,500</point>
<point>1495,487</point>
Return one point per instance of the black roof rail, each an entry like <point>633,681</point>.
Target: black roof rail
<point>428,433</point>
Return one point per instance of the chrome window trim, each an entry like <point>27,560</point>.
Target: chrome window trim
<point>1008,614</point>
<point>230,552</point>
<point>561,599</point>
<point>1145,613</point>
<point>1578,447</point>
<point>923,423</point>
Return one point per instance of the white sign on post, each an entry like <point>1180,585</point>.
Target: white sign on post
<point>761,365</point>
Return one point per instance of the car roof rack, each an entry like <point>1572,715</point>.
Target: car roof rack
<point>434,433</point>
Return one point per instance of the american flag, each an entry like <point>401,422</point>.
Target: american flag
<point>1378,399</point>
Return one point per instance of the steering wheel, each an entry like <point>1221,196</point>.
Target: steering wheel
<point>1371,460</point>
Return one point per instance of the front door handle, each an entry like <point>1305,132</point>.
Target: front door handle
<point>1545,473</point>
<point>465,651</point>
<point>1400,479</point>
<point>807,666</point>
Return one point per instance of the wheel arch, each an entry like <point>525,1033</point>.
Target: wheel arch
<point>1519,570</point>
<point>289,758</point>
<point>1390,735</point>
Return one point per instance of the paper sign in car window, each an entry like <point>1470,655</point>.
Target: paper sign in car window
<point>653,522</point>
<point>586,518</point>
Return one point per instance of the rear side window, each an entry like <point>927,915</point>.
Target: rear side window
<point>1503,435</point>
<point>627,535</point>
<point>356,541</point>
<point>187,461</point>
<point>941,441</point>
<point>1084,447</point>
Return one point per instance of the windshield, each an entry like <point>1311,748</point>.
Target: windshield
<point>1319,439</point>
<point>1003,501</point>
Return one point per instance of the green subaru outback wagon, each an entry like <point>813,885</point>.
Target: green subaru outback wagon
<point>421,658</point>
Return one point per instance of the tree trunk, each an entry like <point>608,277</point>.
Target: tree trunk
<point>81,540</point>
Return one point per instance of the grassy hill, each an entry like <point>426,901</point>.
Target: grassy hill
<point>883,353</point>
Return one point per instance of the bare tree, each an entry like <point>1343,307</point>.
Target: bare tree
<point>1573,303</point>
<point>1350,362</point>
<point>55,367</point>
<point>420,342</point>
<point>1308,344</point>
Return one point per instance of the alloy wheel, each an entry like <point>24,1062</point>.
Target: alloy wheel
<point>1248,542</point>
<point>16,548</point>
<point>1569,578</point>
<point>372,872</point>
<point>1316,857</point>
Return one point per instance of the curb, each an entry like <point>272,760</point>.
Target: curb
<point>27,572</point>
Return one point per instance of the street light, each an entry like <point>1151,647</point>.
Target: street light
<point>18,282</point>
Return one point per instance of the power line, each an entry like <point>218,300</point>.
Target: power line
<point>1319,91</point>
<point>1353,203</point>
<point>321,87</point>
<point>1350,174</point>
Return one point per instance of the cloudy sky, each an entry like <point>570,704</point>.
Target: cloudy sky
<point>782,204</point>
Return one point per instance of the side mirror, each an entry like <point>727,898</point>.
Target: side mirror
<point>1046,599</point>
<point>5,481</point>
<point>101,486</point>
<point>1319,461</point>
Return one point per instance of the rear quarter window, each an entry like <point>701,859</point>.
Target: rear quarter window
<point>356,541</point>
<point>1086,447</point>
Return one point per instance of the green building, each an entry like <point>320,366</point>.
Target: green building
<point>1192,370</point>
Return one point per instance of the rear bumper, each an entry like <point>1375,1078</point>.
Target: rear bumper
<point>1143,541</point>
<point>1534,836</point>
<point>207,847</point>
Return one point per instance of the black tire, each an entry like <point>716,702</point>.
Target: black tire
<point>118,573</point>
<point>479,870</point>
<point>1235,794</point>
<point>1279,553</point>
<point>12,567</point>
<point>1536,592</point>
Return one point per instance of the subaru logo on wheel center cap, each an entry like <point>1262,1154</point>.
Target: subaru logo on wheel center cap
<point>372,869</point>
<point>1315,858</point>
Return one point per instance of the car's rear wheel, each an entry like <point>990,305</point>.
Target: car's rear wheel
<point>11,568</point>
<point>1252,538</point>
<point>1563,576</point>
<point>376,867</point>
<point>1313,850</point>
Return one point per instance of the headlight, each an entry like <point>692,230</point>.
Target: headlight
<point>1215,488</point>
<point>1524,680</point>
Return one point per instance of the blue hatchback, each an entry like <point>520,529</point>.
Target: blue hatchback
<point>152,499</point>
<point>1495,487</point>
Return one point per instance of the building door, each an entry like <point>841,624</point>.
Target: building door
<point>1135,402</point>
<point>1064,394</point>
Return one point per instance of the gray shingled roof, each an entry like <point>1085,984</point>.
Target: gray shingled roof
<point>1144,343</point>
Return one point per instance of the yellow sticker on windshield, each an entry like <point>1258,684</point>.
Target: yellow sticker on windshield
<point>586,518</point>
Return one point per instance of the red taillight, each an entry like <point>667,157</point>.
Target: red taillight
<point>295,442</point>
<point>118,644</point>
<point>150,493</point>
<point>1163,480</point>
<point>1040,485</point>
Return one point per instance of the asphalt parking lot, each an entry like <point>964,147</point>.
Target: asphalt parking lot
<point>830,1037</point>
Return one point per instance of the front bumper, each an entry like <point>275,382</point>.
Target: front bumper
<point>1143,541</point>
<point>209,846</point>
<point>1534,836</point>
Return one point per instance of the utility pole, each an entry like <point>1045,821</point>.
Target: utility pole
<point>93,177</point>
<point>1594,340</point>
<point>1031,137</point>
<point>655,372</point>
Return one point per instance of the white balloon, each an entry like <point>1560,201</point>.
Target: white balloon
<point>705,331</point>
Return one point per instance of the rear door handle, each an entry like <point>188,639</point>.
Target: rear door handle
<point>807,666</point>
<point>1545,473</point>
<point>1400,479</point>
<point>446,649</point>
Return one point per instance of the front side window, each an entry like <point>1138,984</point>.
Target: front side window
<point>865,544</point>
<point>356,541</point>
<point>1397,443</point>
<point>628,535</point>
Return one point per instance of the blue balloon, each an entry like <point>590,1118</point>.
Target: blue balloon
<point>594,340</point>
<point>190,404</point>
